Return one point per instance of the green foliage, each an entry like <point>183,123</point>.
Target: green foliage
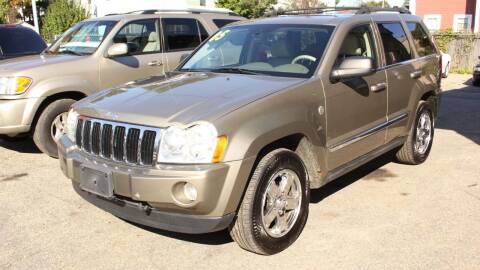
<point>61,15</point>
<point>373,3</point>
<point>247,8</point>
<point>444,37</point>
<point>4,9</point>
<point>460,70</point>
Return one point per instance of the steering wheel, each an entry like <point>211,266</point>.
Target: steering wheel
<point>304,57</point>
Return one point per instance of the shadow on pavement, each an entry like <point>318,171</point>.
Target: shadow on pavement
<point>21,145</point>
<point>370,171</point>
<point>215,238</point>
<point>460,111</point>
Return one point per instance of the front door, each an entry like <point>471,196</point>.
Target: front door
<point>356,108</point>
<point>144,58</point>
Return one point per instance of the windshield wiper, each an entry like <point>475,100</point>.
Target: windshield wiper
<point>235,70</point>
<point>71,52</point>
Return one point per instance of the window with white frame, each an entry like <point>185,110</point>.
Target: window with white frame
<point>433,21</point>
<point>462,22</point>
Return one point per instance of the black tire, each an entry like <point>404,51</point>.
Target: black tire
<point>42,132</point>
<point>248,229</point>
<point>476,82</point>
<point>407,153</point>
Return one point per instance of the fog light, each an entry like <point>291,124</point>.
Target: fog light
<point>190,192</point>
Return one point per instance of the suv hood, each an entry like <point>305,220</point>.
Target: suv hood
<point>183,98</point>
<point>19,64</point>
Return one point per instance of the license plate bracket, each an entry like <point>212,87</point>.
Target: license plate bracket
<point>97,182</point>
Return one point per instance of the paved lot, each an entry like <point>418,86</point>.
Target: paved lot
<point>382,216</point>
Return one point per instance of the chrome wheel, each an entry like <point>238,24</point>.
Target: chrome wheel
<point>423,135</point>
<point>58,126</point>
<point>281,203</point>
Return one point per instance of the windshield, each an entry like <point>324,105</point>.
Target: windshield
<point>277,50</point>
<point>83,38</point>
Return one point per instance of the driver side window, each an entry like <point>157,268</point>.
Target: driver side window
<point>358,42</point>
<point>141,37</point>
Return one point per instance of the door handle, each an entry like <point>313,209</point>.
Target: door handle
<point>378,87</point>
<point>416,74</point>
<point>155,63</point>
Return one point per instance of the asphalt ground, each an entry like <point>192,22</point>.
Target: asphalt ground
<point>382,216</point>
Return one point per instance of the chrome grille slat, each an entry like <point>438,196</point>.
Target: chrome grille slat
<point>118,142</point>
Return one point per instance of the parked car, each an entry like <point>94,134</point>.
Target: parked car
<point>37,91</point>
<point>17,41</point>
<point>257,116</point>
<point>476,75</point>
<point>446,59</point>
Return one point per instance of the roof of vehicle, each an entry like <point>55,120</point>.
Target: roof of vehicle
<point>332,16</point>
<point>139,14</point>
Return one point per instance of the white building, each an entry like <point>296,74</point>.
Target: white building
<point>99,8</point>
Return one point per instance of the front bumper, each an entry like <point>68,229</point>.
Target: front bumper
<point>150,195</point>
<point>16,115</point>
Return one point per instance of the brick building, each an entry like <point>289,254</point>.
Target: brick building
<point>457,15</point>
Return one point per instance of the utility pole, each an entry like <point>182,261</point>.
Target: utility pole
<point>35,15</point>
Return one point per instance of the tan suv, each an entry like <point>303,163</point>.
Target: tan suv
<point>36,91</point>
<point>257,116</point>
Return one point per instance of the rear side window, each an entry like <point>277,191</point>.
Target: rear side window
<point>422,41</point>
<point>222,22</point>
<point>183,34</point>
<point>18,41</point>
<point>395,43</point>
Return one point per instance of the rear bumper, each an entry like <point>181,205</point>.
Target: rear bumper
<point>148,216</point>
<point>16,115</point>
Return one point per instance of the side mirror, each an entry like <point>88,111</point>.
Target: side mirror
<point>184,56</point>
<point>353,67</point>
<point>119,49</point>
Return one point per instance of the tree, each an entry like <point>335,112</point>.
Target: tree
<point>4,9</point>
<point>373,3</point>
<point>247,8</point>
<point>306,4</point>
<point>61,15</point>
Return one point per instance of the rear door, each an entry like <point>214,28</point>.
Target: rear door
<point>144,58</point>
<point>402,75</point>
<point>181,36</point>
<point>356,115</point>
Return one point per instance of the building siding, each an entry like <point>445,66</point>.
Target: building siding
<point>447,9</point>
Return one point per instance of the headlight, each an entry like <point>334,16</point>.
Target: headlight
<point>14,85</point>
<point>71,125</point>
<point>197,144</point>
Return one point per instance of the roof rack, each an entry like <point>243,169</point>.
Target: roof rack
<point>324,10</point>
<point>196,10</point>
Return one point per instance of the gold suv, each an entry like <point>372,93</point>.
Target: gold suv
<point>258,115</point>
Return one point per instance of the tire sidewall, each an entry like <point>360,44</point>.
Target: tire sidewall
<point>42,134</point>
<point>424,106</point>
<point>283,160</point>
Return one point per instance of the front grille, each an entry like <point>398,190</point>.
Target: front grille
<point>119,142</point>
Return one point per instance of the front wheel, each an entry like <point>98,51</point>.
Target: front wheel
<point>274,209</point>
<point>420,138</point>
<point>50,126</point>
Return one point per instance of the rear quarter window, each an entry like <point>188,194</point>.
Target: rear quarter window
<point>423,43</point>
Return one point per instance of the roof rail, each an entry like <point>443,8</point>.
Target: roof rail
<point>196,10</point>
<point>323,10</point>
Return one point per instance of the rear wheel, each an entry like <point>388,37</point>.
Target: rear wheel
<point>50,126</point>
<point>476,82</point>
<point>274,209</point>
<point>419,141</point>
